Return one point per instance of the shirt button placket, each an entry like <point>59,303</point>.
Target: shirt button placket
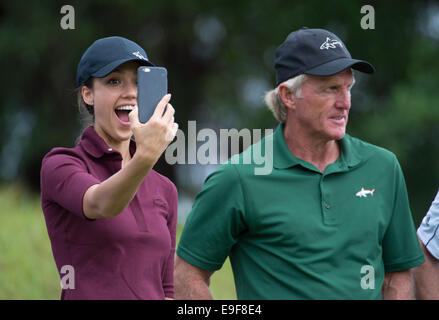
<point>328,217</point>
<point>323,200</point>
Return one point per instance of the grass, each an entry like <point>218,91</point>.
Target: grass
<point>27,268</point>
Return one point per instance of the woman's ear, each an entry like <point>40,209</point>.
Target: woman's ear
<point>87,95</point>
<point>287,97</point>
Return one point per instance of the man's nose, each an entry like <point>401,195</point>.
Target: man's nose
<point>344,99</point>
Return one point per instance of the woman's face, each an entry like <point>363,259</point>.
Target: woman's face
<point>113,96</point>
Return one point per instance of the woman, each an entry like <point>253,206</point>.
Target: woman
<point>111,218</point>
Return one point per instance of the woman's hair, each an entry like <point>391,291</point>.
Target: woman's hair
<point>274,102</point>
<point>86,111</point>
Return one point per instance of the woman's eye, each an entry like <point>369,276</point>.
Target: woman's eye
<point>113,81</point>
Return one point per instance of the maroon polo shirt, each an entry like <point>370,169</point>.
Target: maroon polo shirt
<point>129,256</point>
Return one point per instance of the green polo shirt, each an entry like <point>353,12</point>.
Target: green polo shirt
<point>299,234</point>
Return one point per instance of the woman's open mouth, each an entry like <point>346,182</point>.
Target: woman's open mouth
<point>122,113</point>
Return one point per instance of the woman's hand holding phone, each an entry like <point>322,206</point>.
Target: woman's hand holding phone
<point>154,136</point>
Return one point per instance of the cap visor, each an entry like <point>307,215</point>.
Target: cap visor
<point>336,66</point>
<point>104,71</point>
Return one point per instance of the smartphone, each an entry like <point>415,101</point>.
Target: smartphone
<point>152,86</point>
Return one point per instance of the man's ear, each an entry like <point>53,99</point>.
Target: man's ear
<point>87,95</point>
<point>287,97</point>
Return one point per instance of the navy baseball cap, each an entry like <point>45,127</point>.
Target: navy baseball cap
<point>105,55</point>
<point>316,52</point>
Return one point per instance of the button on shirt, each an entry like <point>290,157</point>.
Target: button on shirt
<point>298,233</point>
<point>129,256</point>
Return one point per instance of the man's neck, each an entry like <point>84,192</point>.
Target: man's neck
<point>318,152</point>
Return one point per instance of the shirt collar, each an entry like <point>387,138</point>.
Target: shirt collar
<point>283,158</point>
<point>350,153</point>
<point>95,146</point>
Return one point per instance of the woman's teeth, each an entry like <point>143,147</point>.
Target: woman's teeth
<point>127,108</point>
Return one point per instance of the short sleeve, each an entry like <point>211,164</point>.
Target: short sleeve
<point>64,181</point>
<point>215,222</point>
<point>401,250</point>
<point>428,230</point>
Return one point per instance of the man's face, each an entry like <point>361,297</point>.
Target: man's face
<point>322,111</point>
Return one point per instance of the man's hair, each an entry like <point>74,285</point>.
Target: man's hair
<point>274,102</point>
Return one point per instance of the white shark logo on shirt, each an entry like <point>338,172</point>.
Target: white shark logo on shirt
<point>364,192</point>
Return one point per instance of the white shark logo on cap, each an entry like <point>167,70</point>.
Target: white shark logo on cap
<point>330,44</point>
<point>139,55</point>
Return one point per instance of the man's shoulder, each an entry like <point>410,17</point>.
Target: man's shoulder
<point>234,169</point>
<point>226,171</point>
<point>253,156</point>
<point>367,150</point>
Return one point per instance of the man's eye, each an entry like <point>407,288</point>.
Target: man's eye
<point>332,89</point>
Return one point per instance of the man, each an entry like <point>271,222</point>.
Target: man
<point>332,219</point>
<point>427,275</point>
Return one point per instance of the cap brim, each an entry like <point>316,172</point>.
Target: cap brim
<point>104,71</point>
<point>336,66</point>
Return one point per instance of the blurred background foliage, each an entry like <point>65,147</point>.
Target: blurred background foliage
<point>219,55</point>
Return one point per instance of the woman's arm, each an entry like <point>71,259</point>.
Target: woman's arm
<point>110,197</point>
